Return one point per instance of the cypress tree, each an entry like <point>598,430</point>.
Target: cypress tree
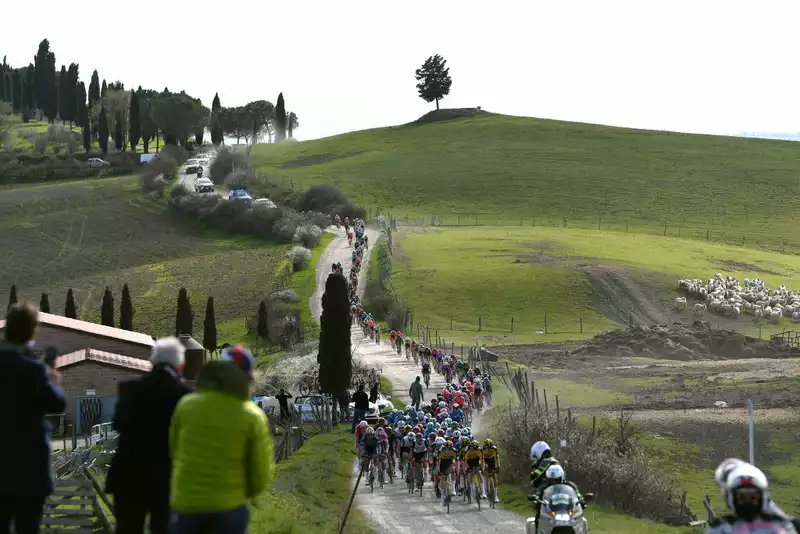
<point>280,120</point>
<point>18,83</point>
<point>135,130</point>
<point>126,310</point>
<point>83,118</point>
<point>216,121</point>
<point>69,309</point>
<point>210,327</point>
<point>335,358</point>
<point>12,296</point>
<point>3,71</point>
<point>107,309</point>
<point>183,316</point>
<point>94,89</point>
<point>30,90</point>
<point>63,94</point>
<point>103,89</point>
<point>119,135</point>
<point>102,130</point>
<point>263,325</point>
<point>71,108</point>
<point>44,303</point>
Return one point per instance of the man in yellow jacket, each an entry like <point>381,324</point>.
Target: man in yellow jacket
<point>221,449</point>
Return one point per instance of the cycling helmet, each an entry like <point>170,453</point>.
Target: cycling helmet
<point>724,469</point>
<point>370,431</point>
<point>430,426</point>
<point>442,404</point>
<point>407,418</point>
<point>555,474</point>
<point>467,430</point>
<point>747,491</point>
<point>441,433</point>
<point>448,421</point>
<point>538,450</point>
<point>452,440</point>
<point>488,443</point>
<point>380,431</point>
<point>457,434</point>
<point>440,441</point>
<point>475,444</point>
<point>407,428</point>
<point>363,424</point>
<point>411,435</point>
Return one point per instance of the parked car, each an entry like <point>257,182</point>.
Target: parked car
<point>270,405</point>
<point>264,202</point>
<point>205,162</point>
<point>239,194</point>
<point>97,163</point>
<point>312,406</point>
<point>147,158</point>
<point>373,414</point>
<point>203,185</point>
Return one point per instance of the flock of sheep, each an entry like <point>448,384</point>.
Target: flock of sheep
<point>725,296</point>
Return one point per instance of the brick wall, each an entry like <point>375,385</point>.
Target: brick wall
<point>70,340</point>
<point>79,377</point>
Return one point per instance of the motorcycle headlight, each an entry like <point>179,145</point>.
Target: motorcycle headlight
<point>566,517</point>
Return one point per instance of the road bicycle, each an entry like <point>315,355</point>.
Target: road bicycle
<point>491,486</point>
<point>445,485</point>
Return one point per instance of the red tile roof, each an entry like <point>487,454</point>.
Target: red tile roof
<point>117,360</point>
<point>92,328</point>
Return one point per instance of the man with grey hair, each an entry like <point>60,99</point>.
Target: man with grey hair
<point>140,472</point>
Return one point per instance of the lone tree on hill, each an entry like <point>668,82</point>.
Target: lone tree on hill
<point>70,310</point>
<point>12,296</point>
<point>335,358</point>
<point>44,303</point>
<point>434,79</point>
<point>210,327</point>
<point>183,316</point>
<point>263,325</point>
<point>126,310</point>
<point>107,309</point>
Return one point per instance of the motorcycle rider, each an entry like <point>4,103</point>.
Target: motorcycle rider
<point>746,492</point>
<point>542,459</point>
<point>555,475</point>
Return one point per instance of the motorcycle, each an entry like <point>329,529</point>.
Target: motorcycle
<point>561,512</point>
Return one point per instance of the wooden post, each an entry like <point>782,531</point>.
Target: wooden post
<point>545,322</point>
<point>558,409</point>
<point>594,425</point>
<point>626,228</point>
<point>452,347</point>
<point>544,394</point>
<point>479,323</point>
<point>707,233</point>
<point>538,402</point>
<point>599,219</point>
<point>565,222</point>
<point>437,337</point>
<point>476,220</point>
<point>533,390</point>
<point>569,415</point>
<point>512,323</point>
<point>665,230</point>
<point>451,322</point>
<point>580,319</point>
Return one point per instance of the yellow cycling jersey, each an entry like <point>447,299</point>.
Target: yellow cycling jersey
<point>447,453</point>
<point>473,454</point>
<point>489,453</point>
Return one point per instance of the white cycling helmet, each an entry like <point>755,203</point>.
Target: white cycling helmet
<point>724,469</point>
<point>440,441</point>
<point>538,449</point>
<point>555,474</point>
<point>363,424</point>
<point>745,476</point>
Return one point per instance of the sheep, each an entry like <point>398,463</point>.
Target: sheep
<point>758,312</point>
<point>680,303</point>
<point>796,317</point>
<point>699,309</point>
<point>774,317</point>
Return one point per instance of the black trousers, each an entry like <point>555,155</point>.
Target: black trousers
<point>24,512</point>
<point>131,511</point>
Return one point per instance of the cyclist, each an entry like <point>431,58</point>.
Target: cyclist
<point>361,429</point>
<point>478,393</point>
<point>456,414</point>
<point>446,458</point>
<point>473,456</point>
<point>491,465</point>
<point>426,372</point>
<point>369,446</point>
<point>420,453</point>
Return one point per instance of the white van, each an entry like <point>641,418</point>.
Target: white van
<point>146,158</point>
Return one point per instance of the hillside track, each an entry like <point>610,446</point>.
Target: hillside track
<point>392,509</point>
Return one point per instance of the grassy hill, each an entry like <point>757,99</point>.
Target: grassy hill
<point>508,170</point>
<point>96,233</point>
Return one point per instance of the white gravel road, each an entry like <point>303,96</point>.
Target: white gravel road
<point>393,510</point>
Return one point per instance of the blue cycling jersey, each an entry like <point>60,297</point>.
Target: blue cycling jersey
<point>456,415</point>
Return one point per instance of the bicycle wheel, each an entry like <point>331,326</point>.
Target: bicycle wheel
<point>491,494</point>
<point>478,495</point>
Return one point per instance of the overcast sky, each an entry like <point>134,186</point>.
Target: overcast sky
<point>693,66</point>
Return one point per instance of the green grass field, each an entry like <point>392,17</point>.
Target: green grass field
<point>311,490</point>
<point>507,169</point>
<point>96,233</point>
<point>500,273</point>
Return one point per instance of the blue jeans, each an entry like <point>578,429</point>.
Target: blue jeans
<point>234,521</point>
<point>358,415</point>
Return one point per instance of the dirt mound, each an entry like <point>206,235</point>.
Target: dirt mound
<point>678,342</point>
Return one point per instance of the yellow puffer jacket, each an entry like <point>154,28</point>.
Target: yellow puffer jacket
<point>221,448</point>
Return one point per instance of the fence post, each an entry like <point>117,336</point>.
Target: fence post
<point>452,347</point>
<point>544,394</point>
<point>594,425</point>
<point>707,234</point>
<point>451,322</point>
<point>437,337</point>
<point>580,319</point>
<point>665,230</point>
<point>479,323</point>
<point>476,220</point>
<point>558,409</point>
<point>545,322</point>
<point>626,228</point>
<point>512,323</point>
<point>565,222</point>
<point>599,220</point>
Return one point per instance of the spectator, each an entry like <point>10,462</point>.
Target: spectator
<point>221,449</point>
<point>360,406</point>
<point>416,393</point>
<point>373,393</point>
<point>28,391</point>
<point>283,401</point>
<point>140,472</point>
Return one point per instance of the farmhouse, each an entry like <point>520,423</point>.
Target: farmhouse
<point>92,359</point>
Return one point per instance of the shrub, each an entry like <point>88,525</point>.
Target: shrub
<point>307,235</point>
<point>226,162</point>
<point>238,179</point>
<point>154,175</point>
<point>328,199</point>
<point>286,226</point>
<point>178,190</point>
<point>623,476</point>
<point>300,256</point>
